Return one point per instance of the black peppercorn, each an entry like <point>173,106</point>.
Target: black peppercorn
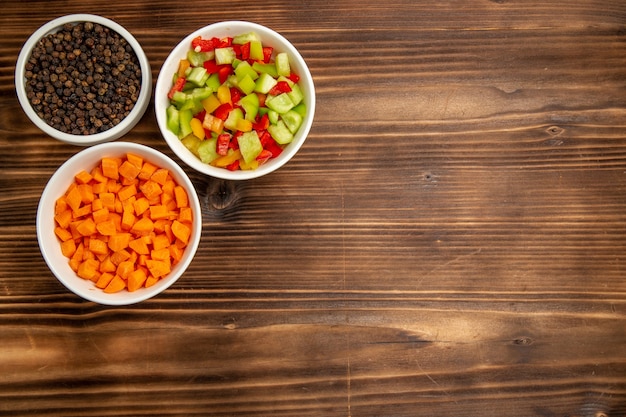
<point>80,80</point>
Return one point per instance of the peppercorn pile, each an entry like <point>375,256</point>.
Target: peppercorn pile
<point>84,79</point>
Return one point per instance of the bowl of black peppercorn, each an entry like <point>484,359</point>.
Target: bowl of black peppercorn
<point>83,79</point>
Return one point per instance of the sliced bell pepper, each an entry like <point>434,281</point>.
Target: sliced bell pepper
<point>204,45</point>
<point>178,86</point>
<point>245,51</point>
<point>264,156</point>
<point>279,88</point>
<point>294,77</point>
<point>234,166</point>
<point>222,111</point>
<point>223,143</point>
<point>224,72</point>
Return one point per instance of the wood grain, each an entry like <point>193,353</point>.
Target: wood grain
<point>449,241</point>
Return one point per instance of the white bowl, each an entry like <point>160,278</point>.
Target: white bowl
<point>84,140</point>
<point>221,30</point>
<point>58,184</point>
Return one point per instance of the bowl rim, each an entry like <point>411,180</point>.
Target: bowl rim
<point>63,177</point>
<point>163,84</point>
<point>84,140</point>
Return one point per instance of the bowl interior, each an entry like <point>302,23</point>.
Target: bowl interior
<point>83,140</point>
<point>220,30</point>
<point>51,248</point>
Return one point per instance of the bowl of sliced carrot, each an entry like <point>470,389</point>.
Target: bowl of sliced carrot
<point>118,223</point>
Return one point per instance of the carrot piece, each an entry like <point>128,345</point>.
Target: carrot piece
<point>61,205</point>
<point>104,279</point>
<point>142,227</point>
<point>160,241</point>
<point>117,284</point>
<point>129,204</point>
<point>141,205</point>
<point>127,192</point>
<point>169,185</point>
<point>86,193</point>
<point>86,227</point>
<point>136,160</point>
<point>108,200</point>
<point>100,215</point>
<point>68,247</point>
<point>73,199</point>
<point>160,254</point>
<point>151,281</point>
<point>167,197</point>
<point>119,207</point>
<point>117,219</point>
<point>110,168</point>
<point>158,268</point>
<point>64,219</point>
<point>82,211</point>
<point>176,253</point>
<point>147,169</point>
<point>181,231</point>
<point>139,245</point>
<point>88,269</point>
<point>99,187</point>
<point>97,175</point>
<point>160,176</point>
<point>113,186</point>
<point>106,265</point>
<point>185,215</point>
<point>128,219</point>
<point>98,247</point>
<point>125,268</point>
<point>106,228</point>
<point>62,233</point>
<point>136,279</point>
<point>182,200</point>
<point>129,170</point>
<point>158,212</point>
<point>119,241</point>
<point>120,256</point>
<point>96,204</point>
<point>151,189</point>
<point>83,177</point>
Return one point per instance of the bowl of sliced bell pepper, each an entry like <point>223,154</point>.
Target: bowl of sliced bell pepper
<point>235,100</point>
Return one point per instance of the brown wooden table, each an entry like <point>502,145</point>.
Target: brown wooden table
<point>450,240</point>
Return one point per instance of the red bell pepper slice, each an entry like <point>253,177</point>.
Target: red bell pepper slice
<point>222,111</point>
<point>225,42</point>
<point>234,166</point>
<point>204,45</point>
<point>211,67</point>
<point>270,144</point>
<point>262,123</point>
<point>224,72</point>
<point>245,51</point>
<point>234,143</point>
<point>294,77</point>
<point>279,88</point>
<point>264,156</point>
<point>223,143</point>
<point>235,95</point>
<point>267,54</point>
<point>178,86</point>
<point>200,115</point>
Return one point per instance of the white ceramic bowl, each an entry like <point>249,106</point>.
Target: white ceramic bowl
<point>221,30</point>
<point>58,184</point>
<point>84,140</point>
